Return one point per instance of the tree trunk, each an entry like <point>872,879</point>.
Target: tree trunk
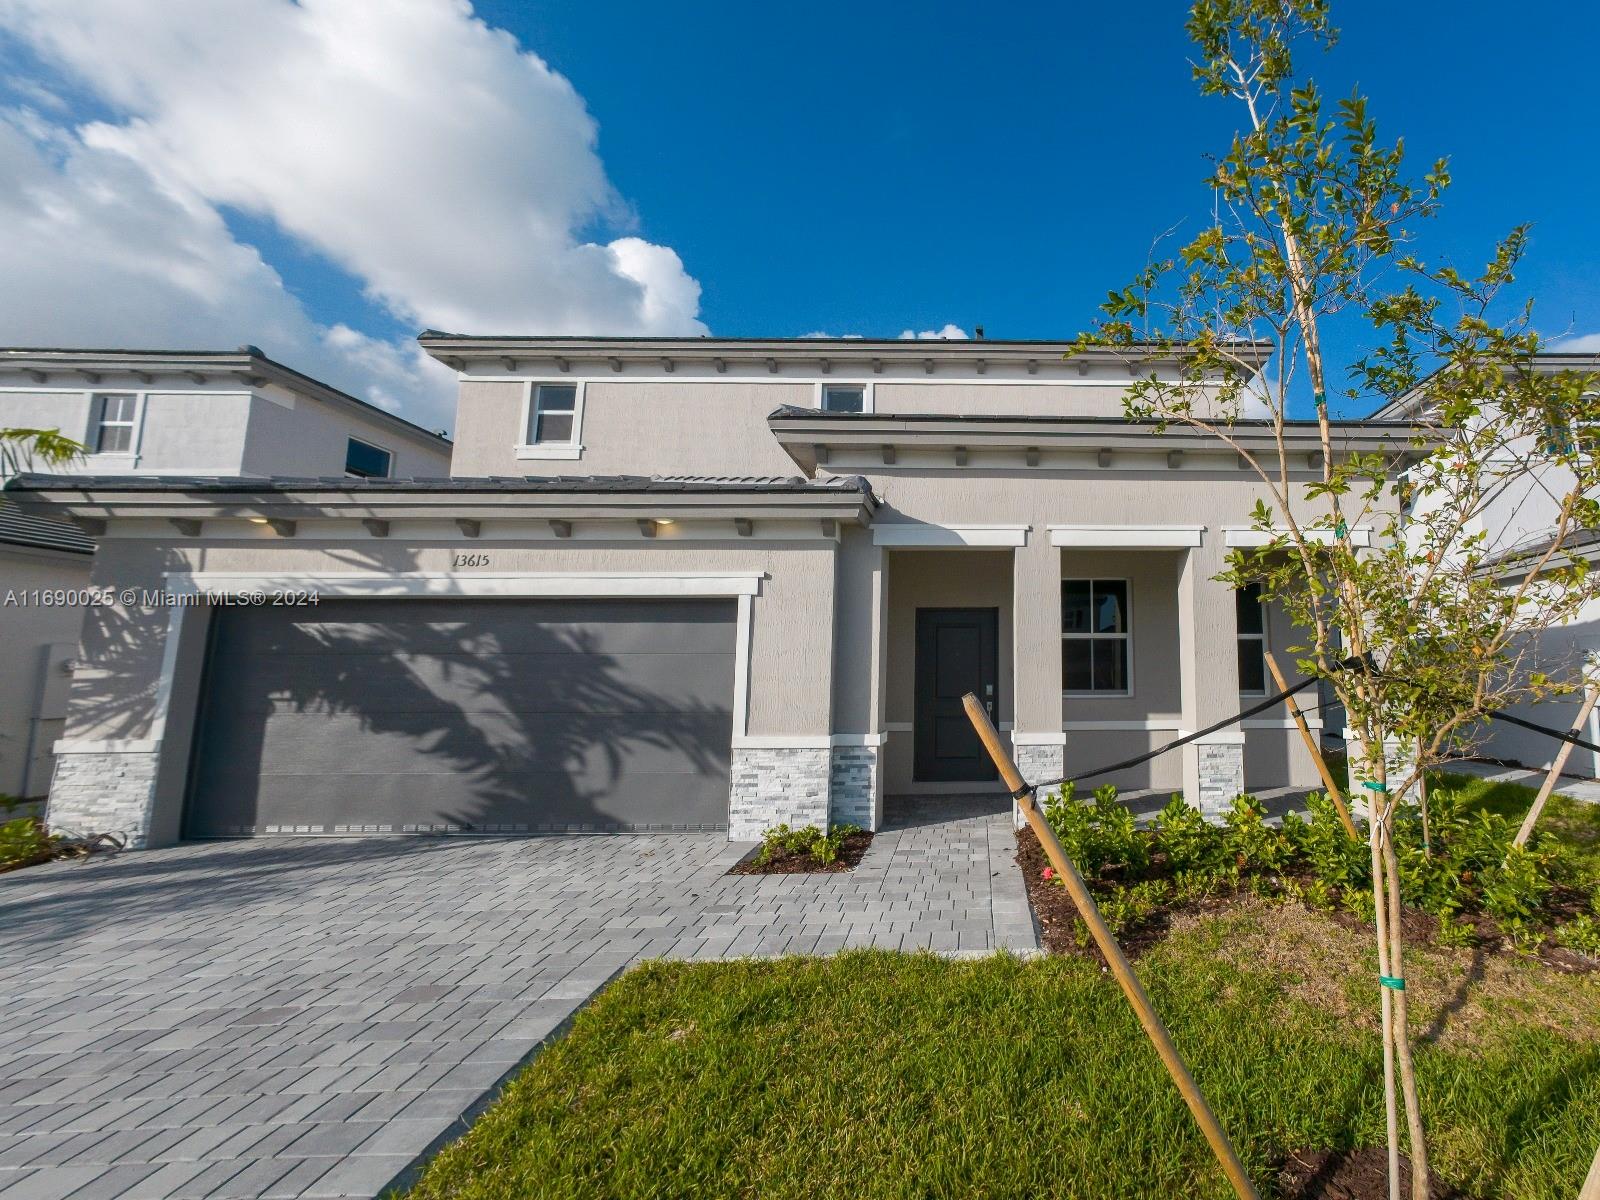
<point>1400,1026</point>
<point>1380,920</point>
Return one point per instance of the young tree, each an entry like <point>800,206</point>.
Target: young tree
<point>1312,223</point>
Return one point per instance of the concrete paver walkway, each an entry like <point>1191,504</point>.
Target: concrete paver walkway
<point>310,1017</point>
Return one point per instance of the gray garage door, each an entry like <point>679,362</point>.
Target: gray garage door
<point>487,716</point>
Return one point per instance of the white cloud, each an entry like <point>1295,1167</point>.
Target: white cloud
<point>1582,344</point>
<point>418,149</point>
<point>952,333</point>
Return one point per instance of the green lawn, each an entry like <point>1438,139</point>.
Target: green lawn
<point>1572,821</point>
<point>876,1074</point>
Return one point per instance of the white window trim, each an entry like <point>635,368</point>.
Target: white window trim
<point>1127,537</point>
<point>135,432</point>
<point>919,533</point>
<point>1240,636</point>
<point>1127,636</point>
<point>371,446</point>
<point>868,400</point>
<point>568,450</point>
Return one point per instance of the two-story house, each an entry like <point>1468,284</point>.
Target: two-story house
<point>1518,519</point>
<point>146,414</point>
<point>683,584</point>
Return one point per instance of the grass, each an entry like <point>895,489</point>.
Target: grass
<point>873,1074</point>
<point>1570,821</point>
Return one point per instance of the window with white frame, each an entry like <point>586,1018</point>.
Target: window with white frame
<point>1251,624</point>
<point>844,397</point>
<point>114,414</point>
<point>366,461</point>
<point>553,415</point>
<point>1096,636</point>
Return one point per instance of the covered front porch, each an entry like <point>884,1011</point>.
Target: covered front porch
<point>1089,646</point>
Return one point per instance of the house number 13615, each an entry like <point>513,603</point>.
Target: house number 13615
<point>470,560</point>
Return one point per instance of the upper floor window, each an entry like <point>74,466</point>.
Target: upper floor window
<point>367,461</point>
<point>554,414</point>
<point>1250,620</point>
<point>113,422</point>
<point>1096,635</point>
<point>844,397</point>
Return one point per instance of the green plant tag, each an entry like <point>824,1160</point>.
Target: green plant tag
<point>1341,529</point>
<point>1393,982</point>
<point>1321,398</point>
<point>1374,786</point>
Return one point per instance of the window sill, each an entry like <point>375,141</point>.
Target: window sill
<point>568,452</point>
<point>1096,695</point>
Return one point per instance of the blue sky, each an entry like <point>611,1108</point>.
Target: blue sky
<point>869,167</point>
<point>855,168</point>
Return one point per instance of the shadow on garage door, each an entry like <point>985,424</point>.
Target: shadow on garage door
<point>451,715</point>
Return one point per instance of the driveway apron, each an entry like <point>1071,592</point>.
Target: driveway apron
<point>313,1017</point>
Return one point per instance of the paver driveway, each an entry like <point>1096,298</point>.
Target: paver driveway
<point>286,1018</point>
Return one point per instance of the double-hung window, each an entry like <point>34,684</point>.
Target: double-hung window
<point>553,415</point>
<point>114,414</point>
<point>366,461</point>
<point>1251,625</point>
<point>1095,636</point>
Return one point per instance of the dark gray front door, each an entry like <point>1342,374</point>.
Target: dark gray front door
<point>489,716</point>
<point>957,653</point>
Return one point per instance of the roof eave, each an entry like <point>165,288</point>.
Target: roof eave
<point>100,504</point>
<point>455,349</point>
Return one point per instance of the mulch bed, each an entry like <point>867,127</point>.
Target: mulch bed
<point>1349,1175</point>
<point>1058,916</point>
<point>854,849</point>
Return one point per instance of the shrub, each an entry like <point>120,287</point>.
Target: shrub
<point>1098,833</point>
<point>1322,843</point>
<point>1192,845</point>
<point>780,841</point>
<point>23,842</point>
<point>1581,934</point>
<point>1468,868</point>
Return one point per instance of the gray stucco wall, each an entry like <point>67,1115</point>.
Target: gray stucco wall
<point>219,429</point>
<point>309,438</point>
<point>28,628</point>
<point>634,428</point>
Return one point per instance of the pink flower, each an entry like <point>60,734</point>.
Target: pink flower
<point>1048,873</point>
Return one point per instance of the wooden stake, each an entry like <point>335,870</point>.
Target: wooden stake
<point>1562,755</point>
<point>1591,1184</point>
<point>1334,793</point>
<point>1120,967</point>
<point>1422,803</point>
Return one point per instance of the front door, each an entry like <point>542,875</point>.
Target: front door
<point>956,654</point>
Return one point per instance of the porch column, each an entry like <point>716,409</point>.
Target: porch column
<point>1037,742</point>
<point>1213,767</point>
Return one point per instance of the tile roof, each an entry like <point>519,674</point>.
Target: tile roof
<point>570,484</point>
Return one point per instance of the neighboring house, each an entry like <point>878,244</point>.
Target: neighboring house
<point>144,414</point>
<point>684,584</point>
<point>1518,519</point>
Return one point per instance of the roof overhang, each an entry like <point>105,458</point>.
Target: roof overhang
<point>848,501</point>
<point>862,355</point>
<point>1411,404</point>
<point>811,437</point>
